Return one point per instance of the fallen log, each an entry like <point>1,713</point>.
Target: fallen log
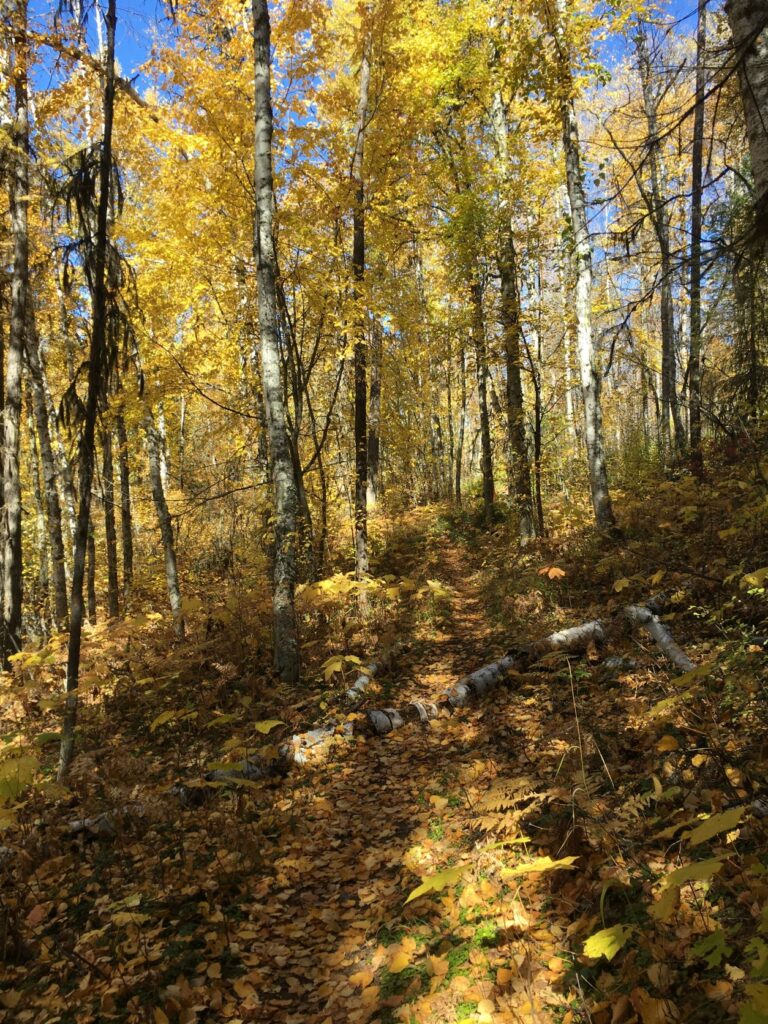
<point>356,691</point>
<point>642,616</point>
<point>565,641</point>
<point>382,721</point>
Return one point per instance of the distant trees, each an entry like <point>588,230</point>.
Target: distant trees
<point>230,332</point>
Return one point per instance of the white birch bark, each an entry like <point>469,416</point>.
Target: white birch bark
<point>283,481</point>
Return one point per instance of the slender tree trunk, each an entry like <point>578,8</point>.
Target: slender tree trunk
<point>95,384</point>
<point>481,369</point>
<point>284,483</point>
<point>519,469</point>
<point>182,439</point>
<point>50,486</point>
<point>748,20</point>
<point>462,423</point>
<point>588,361</point>
<point>451,432</point>
<point>110,531</point>
<point>163,437</point>
<point>658,208</point>
<point>90,585</point>
<point>358,273</point>
<point>694,359</point>
<point>42,602</point>
<point>4,310</point>
<point>19,199</point>
<point>154,450</point>
<point>64,469</point>
<point>374,415</point>
<point>126,518</point>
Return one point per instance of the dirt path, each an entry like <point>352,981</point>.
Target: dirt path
<point>287,903</point>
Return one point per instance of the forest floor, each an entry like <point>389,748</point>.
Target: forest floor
<point>569,804</point>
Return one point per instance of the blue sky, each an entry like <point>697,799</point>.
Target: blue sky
<point>139,20</point>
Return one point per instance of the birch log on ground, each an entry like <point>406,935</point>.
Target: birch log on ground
<point>357,690</point>
<point>382,721</point>
<point>642,616</point>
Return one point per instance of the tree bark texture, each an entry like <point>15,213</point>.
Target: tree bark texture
<point>588,361</point>
<point>19,200</point>
<point>283,482</point>
<point>126,517</point>
<point>110,531</point>
<point>96,360</point>
<point>360,360</point>
<point>748,20</point>
<point>154,449</point>
<point>694,358</point>
<point>50,482</point>
<point>658,209</point>
<point>481,370</point>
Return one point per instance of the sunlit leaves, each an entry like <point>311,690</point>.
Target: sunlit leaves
<point>608,942</point>
<point>436,883</point>
<point>713,826</point>
<point>538,866</point>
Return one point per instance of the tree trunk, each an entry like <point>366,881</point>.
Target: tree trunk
<point>110,532</point>
<point>40,601</point>
<point>588,361</point>
<point>374,416</point>
<point>95,375</point>
<point>358,273</point>
<point>481,369</point>
<point>519,472</point>
<point>694,359</point>
<point>19,199</point>
<point>182,439</point>
<point>126,518</point>
<point>519,469</point>
<point>154,450</point>
<point>50,487</point>
<point>658,208</point>
<point>462,422</point>
<point>748,20</point>
<point>64,469</point>
<point>90,584</point>
<point>284,483</point>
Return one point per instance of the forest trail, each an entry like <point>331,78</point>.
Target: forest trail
<point>285,900</point>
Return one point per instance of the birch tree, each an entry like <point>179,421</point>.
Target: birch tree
<point>582,249</point>
<point>283,481</point>
<point>96,363</point>
<point>17,335</point>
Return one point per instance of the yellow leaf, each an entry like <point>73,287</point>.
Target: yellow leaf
<point>126,917</point>
<point>439,803</point>
<point>714,825</point>
<point>755,578</point>
<point>607,942</point>
<point>161,1017</point>
<point>267,725</point>
<point>163,718</point>
<point>362,979</point>
<point>667,743</point>
<point>399,961</point>
<point>539,864</point>
<point>620,585</point>
<point>438,966</point>
<point>438,882</point>
<point>552,572</point>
